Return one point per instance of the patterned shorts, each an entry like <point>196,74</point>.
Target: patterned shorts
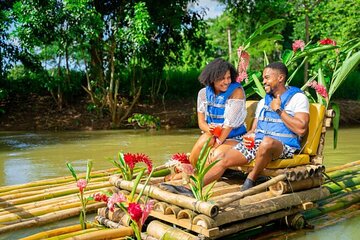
<point>288,152</point>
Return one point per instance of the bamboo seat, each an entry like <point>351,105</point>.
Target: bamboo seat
<point>310,143</point>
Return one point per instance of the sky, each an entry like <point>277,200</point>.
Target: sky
<point>212,7</point>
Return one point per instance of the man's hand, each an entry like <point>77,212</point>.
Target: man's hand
<point>275,103</point>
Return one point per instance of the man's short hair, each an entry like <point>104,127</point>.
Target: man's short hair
<point>280,67</point>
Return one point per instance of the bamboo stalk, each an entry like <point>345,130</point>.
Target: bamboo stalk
<point>340,203</point>
<point>231,197</point>
<point>48,202</point>
<point>347,165</point>
<point>286,187</point>
<point>58,180</point>
<point>57,232</point>
<point>270,205</point>
<point>70,186</point>
<point>72,234</point>
<point>342,172</point>
<point>106,234</point>
<point>332,187</point>
<point>50,195</point>
<point>179,200</point>
<point>163,231</point>
<point>50,217</point>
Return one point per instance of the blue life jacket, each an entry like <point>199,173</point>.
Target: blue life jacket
<point>216,108</point>
<point>270,123</point>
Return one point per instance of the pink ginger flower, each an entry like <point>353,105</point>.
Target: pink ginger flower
<point>115,198</point>
<point>327,41</point>
<point>135,211</point>
<point>320,89</point>
<point>188,169</point>
<point>132,159</point>
<point>81,184</point>
<point>146,211</point>
<point>298,44</point>
<point>244,59</point>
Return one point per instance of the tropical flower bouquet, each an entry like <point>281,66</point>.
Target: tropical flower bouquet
<point>136,211</point>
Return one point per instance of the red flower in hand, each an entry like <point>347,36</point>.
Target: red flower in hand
<point>216,131</point>
<point>135,211</point>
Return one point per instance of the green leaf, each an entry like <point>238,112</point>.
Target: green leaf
<point>296,70</point>
<point>336,121</point>
<point>136,183</point>
<point>260,30</point>
<point>346,68</point>
<point>88,170</point>
<point>145,184</point>
<point>204,153</point>
<point>207,193</point>
<point>72,170</point>
<point>266,60</point>
<point>259,86</point>
<point>287,55</point>
<point>208,167</point>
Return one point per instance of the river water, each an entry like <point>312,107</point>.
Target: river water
<point>26,157</point>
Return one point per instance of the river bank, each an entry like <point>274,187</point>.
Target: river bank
<point>37,113</point>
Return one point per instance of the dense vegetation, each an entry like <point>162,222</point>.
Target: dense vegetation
<point>118,53</point>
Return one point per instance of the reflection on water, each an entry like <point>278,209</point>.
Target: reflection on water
<point>26,157</point>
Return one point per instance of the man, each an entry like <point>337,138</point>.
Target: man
<point>281,120</point>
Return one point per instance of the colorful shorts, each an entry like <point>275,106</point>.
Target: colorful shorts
<point>288,152</point>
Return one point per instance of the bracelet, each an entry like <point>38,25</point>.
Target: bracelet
<point>218,141</point>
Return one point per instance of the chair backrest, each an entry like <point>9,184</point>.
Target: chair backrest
<point>311,141</point>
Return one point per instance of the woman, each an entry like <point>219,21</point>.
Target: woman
<point>221,103</point>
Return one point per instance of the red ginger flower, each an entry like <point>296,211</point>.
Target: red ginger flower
<point>327,41</point>
<point>135,211</point>
<point>132,159</point>
<point>181,157</point>
<point>298,44</point>
<point>320,89</point>
<point>81,184</point>
<point>99,197</point>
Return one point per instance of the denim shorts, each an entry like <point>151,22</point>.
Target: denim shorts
<point>250,154</point>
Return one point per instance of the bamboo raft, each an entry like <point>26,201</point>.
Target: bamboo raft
<point>296,193</point>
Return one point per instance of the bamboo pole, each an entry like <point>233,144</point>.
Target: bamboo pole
<point>332,187</point>
<point>286,187</point>
<point>270,205</point>
<point>340,203</point>
<point>58,180</point>
<point>72,234</point>
<point>347,165</point>
<point>50,217</point>
<point>70,186</point>
<point>106,234</point>
<point>50,194</point>
<point>161,195</point>
<point>258,221</point>
<point>231,197</point>
<point>57,232</point>
<point>163,231</point>
<point>48,202</point>
<point>342,172</point>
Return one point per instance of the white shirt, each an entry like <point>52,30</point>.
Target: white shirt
<point>298,103</point>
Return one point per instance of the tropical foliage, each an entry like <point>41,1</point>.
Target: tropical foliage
<point>200,191</point>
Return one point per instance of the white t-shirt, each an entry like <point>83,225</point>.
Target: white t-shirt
<point>298,103</point>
